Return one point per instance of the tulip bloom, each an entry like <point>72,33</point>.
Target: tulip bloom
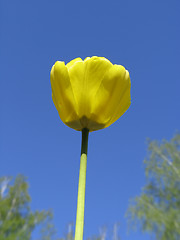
<point>90,94</point>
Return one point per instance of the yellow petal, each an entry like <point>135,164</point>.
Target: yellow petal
<point>124,102</point>
<point>62,92</point>
<point>86,78</point>
<point>95,69</point>
<point>76,74</point>
<point>113,96</point>
<point>72,62</point>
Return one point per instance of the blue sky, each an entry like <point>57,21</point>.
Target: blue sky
<point>141,35</point>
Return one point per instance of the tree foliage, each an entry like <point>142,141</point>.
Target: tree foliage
<point>17,220</point>
<point>157,209</point>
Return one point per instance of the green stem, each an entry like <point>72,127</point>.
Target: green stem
<point>81,187</point>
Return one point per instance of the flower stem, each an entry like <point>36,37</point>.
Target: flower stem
<point>81,187</point>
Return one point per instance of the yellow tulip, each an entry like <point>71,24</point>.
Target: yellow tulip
<point>90,94</point>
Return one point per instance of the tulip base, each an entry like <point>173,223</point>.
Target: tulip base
<point>81,186</point>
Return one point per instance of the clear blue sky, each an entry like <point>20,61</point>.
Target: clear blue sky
<point>143,36</point>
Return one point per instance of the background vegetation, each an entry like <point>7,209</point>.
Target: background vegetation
<point>156,210</point>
